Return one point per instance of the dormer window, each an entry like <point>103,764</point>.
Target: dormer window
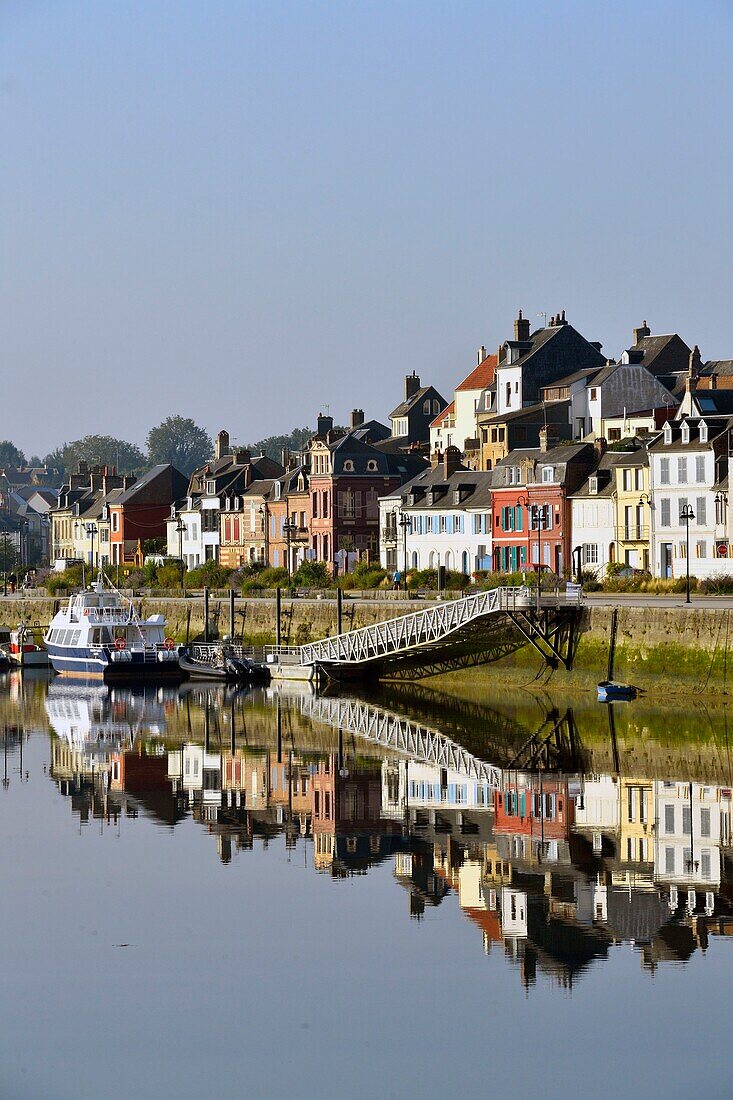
<point>593,485</point>
<point>703,431</point>
<point>685,432</point>
<point>372,465</point>
<point>211,487</point>
<point>278,487</point>
<point>548,474</point>
<point>667,433</point>
<point>348,466</point>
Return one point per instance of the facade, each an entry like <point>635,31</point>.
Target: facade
<point>687,838</point>
<point>594,517</point>
<point>142,511</point>
<point>457,428</point>
<point>448,509</point>
<point>80,502</point>
<point>289,520</point>
<point>502,434</point>
<point>347,478</point>
<point>689,468</point>
<point>412,418</point>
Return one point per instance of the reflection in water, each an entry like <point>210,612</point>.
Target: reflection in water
<point>553,865</point>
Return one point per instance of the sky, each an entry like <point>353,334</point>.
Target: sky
<point>246,212</point>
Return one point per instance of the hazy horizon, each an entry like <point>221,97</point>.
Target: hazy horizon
<point>243,213</point>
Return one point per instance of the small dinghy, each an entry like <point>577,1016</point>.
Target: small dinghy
<point>223,666</point>
<point>611,692</point>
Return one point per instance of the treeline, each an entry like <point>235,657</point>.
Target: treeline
<point>178,440</point>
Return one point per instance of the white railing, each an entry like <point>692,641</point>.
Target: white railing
<point>420,628</point>
<point>419,742</point>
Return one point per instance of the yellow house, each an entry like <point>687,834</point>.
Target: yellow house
<point>633,514</point>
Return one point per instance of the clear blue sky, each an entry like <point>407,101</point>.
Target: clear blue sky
<point>245,211</point>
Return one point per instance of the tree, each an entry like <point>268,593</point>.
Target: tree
<point>181,442</point>
<point>10,455</point>
<point>273,445</point>
<point>102,450</point>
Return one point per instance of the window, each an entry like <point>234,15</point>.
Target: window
<point>372,465</point>
<point>665,519</point>
<point>590,553</point>
<point>705,863</point>
<point>700,468</point>
<point>627,480</point>
<point>668,819</point>
<point>704,821</point>
<point>664,471</point>
<point>548,474</point>
<point>594,394</point>
<point>686,820</point>
<point>348,466</point>
<point>426,407</point>
<point>115,521</point>
<point>669,861</point>
<point>682,507</point>
<point>701,549</point>
<point>701,511</point>
<point>508,393</point>
<point>682,471</point>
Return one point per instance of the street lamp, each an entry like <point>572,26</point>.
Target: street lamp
<point>265,513</point>
<point>524,500</point>
<point>290,528</point>
<point>536,512</point>
<point>402,521</point>
<point>687,514</point>
<point>92,530</point>
<point>180,528</point>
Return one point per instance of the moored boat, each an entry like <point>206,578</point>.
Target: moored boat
<point>610,691</point>
<point>23,651</point>
<point>98,633</point>
<point>223,665</point>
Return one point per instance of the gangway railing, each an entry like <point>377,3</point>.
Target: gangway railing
<point>427,626</point>
<point>401,735</point>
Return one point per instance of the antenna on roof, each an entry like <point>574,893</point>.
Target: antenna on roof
<point>543,314</point>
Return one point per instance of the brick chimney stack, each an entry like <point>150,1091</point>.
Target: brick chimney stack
<point>641,333</point>
<point>357,417</point>
<point>435,458</point>
<point>324,425</point>
<point>412,385</point>
<point>480,355</point>
<point>451,461</point>
<point>521,328</point>
<point>548,437</point>
<point>221,446</point>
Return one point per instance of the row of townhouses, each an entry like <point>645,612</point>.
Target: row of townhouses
<point>549,455</point>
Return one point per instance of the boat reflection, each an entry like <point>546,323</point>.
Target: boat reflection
<point>554,866</point>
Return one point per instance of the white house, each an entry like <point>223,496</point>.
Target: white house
<point>593,516</point>
<point>687,835</point>
<point>456,425</point>
<point>447,510</point>
<point>185,543</point>
<point>688,471</point>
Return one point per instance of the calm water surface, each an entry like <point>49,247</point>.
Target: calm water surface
<point>270,894</point>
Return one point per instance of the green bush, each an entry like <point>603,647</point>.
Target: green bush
<point>486,579</point>
<point>716,586</point>
<point>276,577</point>
<point>428,579</point>
<point>63,583</point>
<point>313,574</point>
<point>209,575</point>
<point>365,575</point>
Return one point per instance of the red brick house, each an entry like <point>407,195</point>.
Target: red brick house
<point>347,478</point>
<point>141,512</point>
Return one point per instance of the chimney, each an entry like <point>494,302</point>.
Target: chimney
<point>324,425</point>
<point>128,481</point>
<point>451,461</point>
<point>221,447</point>
<point>285,458</point>
<point>242,457</point>
<point>641,332</point>
<point>412,385</point>
<point>435,458</point>
<point>480,355</point>
<point>600,446</point>
<point>548,437</point>
<point>83,468</point>
<point>97,481</point>
<point>695,364</point>
<point>521,328</point>
<point>357,417</point>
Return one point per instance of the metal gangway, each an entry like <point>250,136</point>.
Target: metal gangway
<point>399,734</point>
<point>440,626</point>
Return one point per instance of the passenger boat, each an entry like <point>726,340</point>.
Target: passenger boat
<point>98,633</point>
<point>22,650</point>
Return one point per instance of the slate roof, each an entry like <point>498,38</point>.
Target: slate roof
<point>714,402</point>
<point>609,461</point>
<point>716,427</point>
<point>143,482</point>
<point>715,367</point>
<point>630,387</point>
<point>478,481</point>
<point>527,412</point>
<point>404,407</point>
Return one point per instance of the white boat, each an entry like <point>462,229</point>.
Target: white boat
<point>98,633</point>
<point>22,650</point>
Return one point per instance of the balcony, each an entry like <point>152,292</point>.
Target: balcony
<point>634,532</point>
<point>389,534</point>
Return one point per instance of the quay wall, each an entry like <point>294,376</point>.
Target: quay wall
<point>662,650</point>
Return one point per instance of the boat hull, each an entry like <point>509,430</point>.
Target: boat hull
<point>84,664</point>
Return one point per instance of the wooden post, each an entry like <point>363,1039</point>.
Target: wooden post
<point>278,628</point>
<point>188,623</point>
<point>231,614</point>
<point>206,614</point>
<point>339,610</point>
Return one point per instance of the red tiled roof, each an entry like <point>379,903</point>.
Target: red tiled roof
<point>441,416</point>
<point>481,376</point>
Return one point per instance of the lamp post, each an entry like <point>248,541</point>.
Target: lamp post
<point>524,500</point>
<point>536,512</point>
<point>687,514</point>
<point>645,498</point>
<point>290,527</point>
<point>92,530</point>
<point>180,528</point>
<point>265,513</point>
<point>404,523</point>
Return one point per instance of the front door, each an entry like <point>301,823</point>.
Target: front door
<point>666,559</point>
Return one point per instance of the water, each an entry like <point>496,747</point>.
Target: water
<point>322,914</point>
